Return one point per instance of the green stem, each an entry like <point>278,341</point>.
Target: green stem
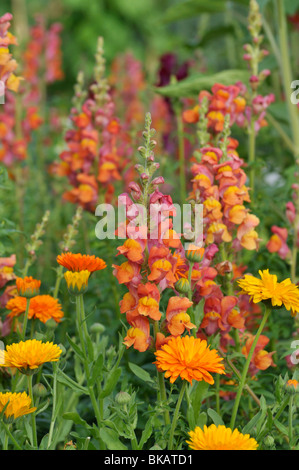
<point>291,420</point>
<point>286,71</point>
<point>217,384</point>
<point>58,281</point>
<point>161,383</point>
<point>34,435</point>
<point>54,414</point>
<point>246,367</point>
<point>180,129</point>
<point>25,320</point>
<point>10,436</point>
<point>176,415</point>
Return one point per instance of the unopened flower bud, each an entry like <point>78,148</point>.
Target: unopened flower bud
<point>122,398</point>
<point>39,390</point>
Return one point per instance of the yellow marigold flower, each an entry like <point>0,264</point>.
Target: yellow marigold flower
<point>189,358</point>
<point>27,356</point>
<point>77,282</point>
<point>27,286</point>
<point>78,262</point>
<point>42,307</point>
<point>18,404</point>
<point>220,438</point>
<point>268,288</point>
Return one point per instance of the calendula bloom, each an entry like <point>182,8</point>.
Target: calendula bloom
<point>292,386</point>
<point>18,404</point>
<point>79,262</point>
<point>77,282</point>
<point>27,286</point>
<point>27,356</point>
<point>220,438</point>
<point>268,288</point>
<point>42,307</point>
<point>189,358</point>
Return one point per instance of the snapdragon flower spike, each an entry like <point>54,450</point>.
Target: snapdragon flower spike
<point>98,145</point>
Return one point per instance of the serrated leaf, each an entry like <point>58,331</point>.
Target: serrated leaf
<point>191,86</point>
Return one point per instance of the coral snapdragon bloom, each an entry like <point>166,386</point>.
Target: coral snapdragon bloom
<point>27,286</point>
<point>268,288</point>
<point>79,262</point>
<point>189,358</point>
<point>29,355</point>
<point>18,404</point>
<point>220,438</point>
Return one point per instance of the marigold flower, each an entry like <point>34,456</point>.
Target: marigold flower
<point>28,355</point>
<point>268,288</point>
<point>220,438</point>
<point>292,386</point>
<point>189,358</point>
<point>79,262</point>
<point>27,286</point>
<point>42,307</point>
<point>77,282</point>
<point>18,404</point>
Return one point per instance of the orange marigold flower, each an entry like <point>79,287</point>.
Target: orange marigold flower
<point>189,358</point>
<point>42,307</point>
<point>292,386</point>
<point>27,286</point>
<point>18,404</point>
<point>220,438</point>
<point>79,262</point>
<point>28,355</point>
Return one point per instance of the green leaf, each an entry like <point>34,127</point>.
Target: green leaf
<point>97,368</point>
<point>111,440</point>
<point>75,347</point>
<point>68,382</point>
<point>75,417</point>
<point>191,8</point>
<point>215,417</point>
<point>146,434</point>
<point>111,382</point>
<point>252,423</point>
<point>191,86</point>
<point>140,373</point>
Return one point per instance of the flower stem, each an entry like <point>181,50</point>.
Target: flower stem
<point>180,129</point>
<point>10,436</point>
<point>246,367</point>
<point>25,320</point>
<point>286,71</point>
<point>54,414</point>
<point>291,421</point>
<point>161,383</point>
<point>176,414</point>
<point>34,435</point>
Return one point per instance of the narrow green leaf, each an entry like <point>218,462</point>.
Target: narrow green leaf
<point>140,373</point>
<point>215,417</point>
<point>68,382</point>
<point>191,8</point>
<point>191,86</point>
<point>75,417</point>
<point>111,382</point>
